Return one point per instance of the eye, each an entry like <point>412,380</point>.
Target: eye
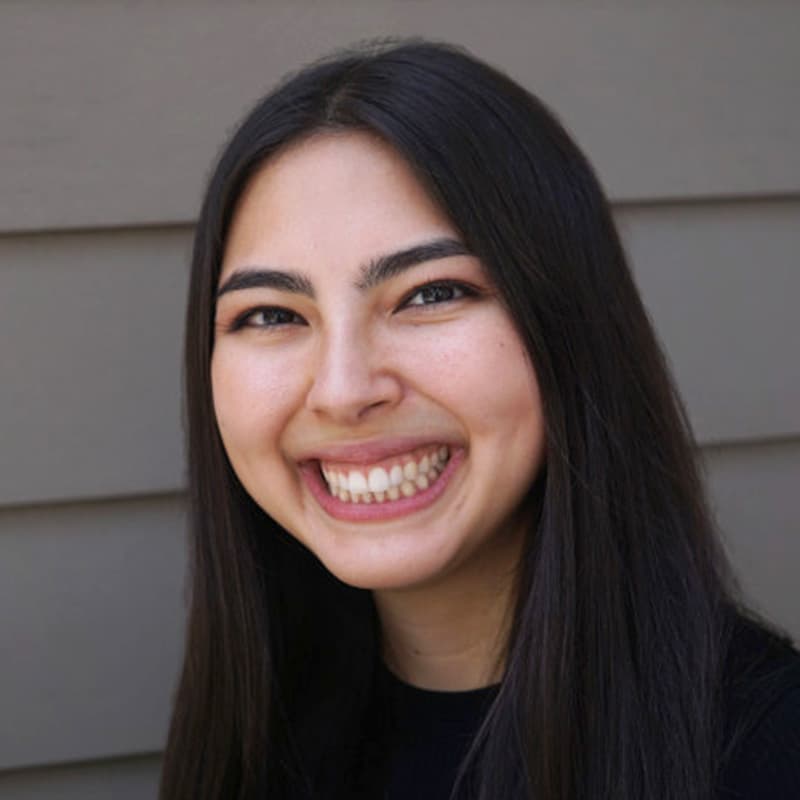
<point>267,317</point>
<point>438,292</point>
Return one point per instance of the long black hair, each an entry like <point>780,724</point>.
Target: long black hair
<point>612,668</point>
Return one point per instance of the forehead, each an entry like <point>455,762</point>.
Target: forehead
<point>336,199</point>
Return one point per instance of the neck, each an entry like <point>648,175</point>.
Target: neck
<point>451,635</point>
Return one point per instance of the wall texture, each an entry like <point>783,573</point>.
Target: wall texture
<point>110,115</point>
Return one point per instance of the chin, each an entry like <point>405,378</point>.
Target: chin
<point>385,573</point>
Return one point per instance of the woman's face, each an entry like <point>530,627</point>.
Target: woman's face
<point>371,391</point>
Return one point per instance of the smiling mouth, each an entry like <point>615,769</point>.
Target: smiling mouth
<point>389,480</point>
<point>393,487</point>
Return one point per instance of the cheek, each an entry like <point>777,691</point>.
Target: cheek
<point>481,372</point>
<point>252,395</point>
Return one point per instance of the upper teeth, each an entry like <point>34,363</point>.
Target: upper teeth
<point>402,475</point>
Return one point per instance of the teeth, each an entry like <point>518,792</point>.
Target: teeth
<point>357,483</point>
<point>408,488</point>
<point>378,480</point>
<point>380,484</point>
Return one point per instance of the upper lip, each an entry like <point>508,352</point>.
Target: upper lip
<point>367,451</point>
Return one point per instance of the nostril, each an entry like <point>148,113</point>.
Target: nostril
<point>371,406</point>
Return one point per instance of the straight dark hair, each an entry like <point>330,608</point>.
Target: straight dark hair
<point>621,623</point>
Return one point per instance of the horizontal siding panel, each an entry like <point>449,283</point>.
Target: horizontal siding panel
<point>722,282</point>
<point>123,779</point>
<point>92,328</point>
<point>753,489</point>
<point>112,112</point>
<point>91,620</point>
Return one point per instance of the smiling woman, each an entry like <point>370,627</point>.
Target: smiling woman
<point>449,538</point>
<point>381,383</point>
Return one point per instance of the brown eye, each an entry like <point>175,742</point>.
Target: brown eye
<point>435,293</point>
<point>267,317</point>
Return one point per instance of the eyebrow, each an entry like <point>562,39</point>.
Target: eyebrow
<point>385,267</point>
<point>260,278</point>
<point>377,271</point>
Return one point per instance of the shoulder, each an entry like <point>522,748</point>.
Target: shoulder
<point>761,754</point>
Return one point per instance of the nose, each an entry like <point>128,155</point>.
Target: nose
<point>353,379</point>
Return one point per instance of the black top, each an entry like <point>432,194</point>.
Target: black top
<point>432,730</point>
<point>430,737</point>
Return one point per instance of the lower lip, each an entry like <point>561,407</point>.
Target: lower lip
<point>388,509</point>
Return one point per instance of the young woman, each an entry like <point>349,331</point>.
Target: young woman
<point>449,537</point>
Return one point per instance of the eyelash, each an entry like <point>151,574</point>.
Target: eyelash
<point>458,290</point>
<point>245,320</point>
<point>456,287</point>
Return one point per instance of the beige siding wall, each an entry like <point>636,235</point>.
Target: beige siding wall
<point>134,778</point>
<point>109,118</point>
